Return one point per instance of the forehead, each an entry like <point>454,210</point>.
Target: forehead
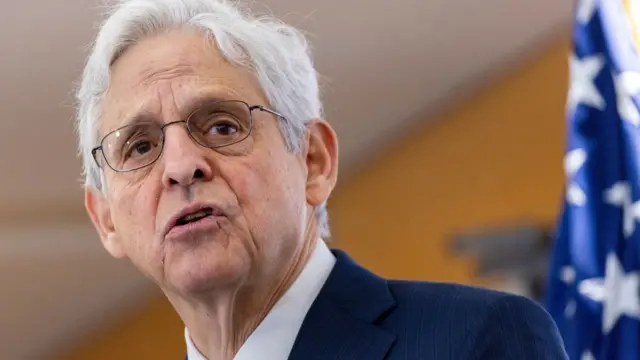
<point>175,69</point>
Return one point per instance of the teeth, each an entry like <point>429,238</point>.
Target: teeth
<point>194,216</point>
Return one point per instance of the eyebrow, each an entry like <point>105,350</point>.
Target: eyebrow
<point>143,116</point>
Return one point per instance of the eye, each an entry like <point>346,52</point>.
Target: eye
<point>218,124</point>
<point>139,148</point>
<point>223,127</point>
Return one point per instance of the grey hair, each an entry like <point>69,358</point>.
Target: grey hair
<point>276,53</point>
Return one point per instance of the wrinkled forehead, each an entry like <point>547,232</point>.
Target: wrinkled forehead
<point>167,76</point>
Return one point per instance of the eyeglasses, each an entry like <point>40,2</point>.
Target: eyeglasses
<point>218,124</point>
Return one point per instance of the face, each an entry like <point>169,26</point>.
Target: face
<point>259,196</point>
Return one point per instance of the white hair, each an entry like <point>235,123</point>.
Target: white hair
<point>276,53</point>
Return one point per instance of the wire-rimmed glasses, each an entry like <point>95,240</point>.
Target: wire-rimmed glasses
<point>215,125</point>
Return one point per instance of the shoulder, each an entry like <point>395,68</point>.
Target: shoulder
<point>458,295</point>
<point>490,322</point>
<point>465,300</point>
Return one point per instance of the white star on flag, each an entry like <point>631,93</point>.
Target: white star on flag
<point>587,355</point>
<point>573,161</point>
<point>618,293</point>
<point>627,84</point>
<point>620,195</point>
<point>583,90</point>
<point>570,309</point>
<point>568,277</point>
<point>585,11</point>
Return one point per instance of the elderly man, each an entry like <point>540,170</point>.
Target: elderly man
<point>208,166</point>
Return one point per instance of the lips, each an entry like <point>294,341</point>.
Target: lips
<point>191,216</point>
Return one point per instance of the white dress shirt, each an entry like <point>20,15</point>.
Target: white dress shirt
<point>273,339</point>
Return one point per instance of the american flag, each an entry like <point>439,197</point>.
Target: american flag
<point>594,281</point>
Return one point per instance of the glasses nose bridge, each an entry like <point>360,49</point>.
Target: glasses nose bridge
<point>165,126</point>
<point>185,126</point>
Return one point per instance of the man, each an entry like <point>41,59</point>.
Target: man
<point>208,166</point>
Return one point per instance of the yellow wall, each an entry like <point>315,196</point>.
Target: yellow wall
<point>497,158</point>
<point>151,332</point>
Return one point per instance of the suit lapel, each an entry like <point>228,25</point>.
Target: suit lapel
<point>341,322</point>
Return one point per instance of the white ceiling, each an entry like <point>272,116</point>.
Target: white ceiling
<point>385,65</point>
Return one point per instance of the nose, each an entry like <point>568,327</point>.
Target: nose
<point>185,161</point>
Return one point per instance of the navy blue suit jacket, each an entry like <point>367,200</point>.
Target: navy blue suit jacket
<point>360,316</point>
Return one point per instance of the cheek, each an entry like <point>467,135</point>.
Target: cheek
<point>135,196</point>
<point>134,216</point>
<point>269,192</point>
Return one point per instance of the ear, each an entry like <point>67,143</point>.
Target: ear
<point>100,214</point>
<point>321,160</point>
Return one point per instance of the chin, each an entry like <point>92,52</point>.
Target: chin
<point>197,273</point>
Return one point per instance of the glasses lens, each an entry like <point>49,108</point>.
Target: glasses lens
<point>221,123</point>
<point>133,146</point>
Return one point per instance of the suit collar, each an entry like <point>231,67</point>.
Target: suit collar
<point>341,322</point>
<point>274,337</point>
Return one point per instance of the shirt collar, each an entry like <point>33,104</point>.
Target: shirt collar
<point>275,335</point>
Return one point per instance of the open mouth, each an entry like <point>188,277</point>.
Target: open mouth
<point>193,217</point>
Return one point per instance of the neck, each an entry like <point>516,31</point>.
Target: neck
<point>220,323</point>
